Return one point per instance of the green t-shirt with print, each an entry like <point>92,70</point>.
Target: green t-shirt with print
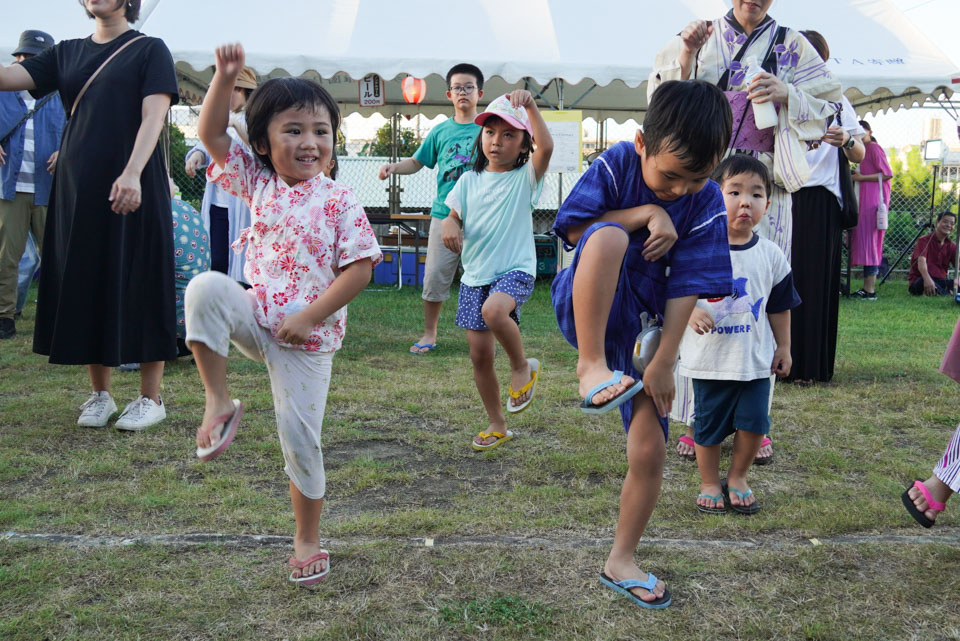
<point>449,148</point>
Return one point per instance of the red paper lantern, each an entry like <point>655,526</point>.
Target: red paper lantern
<point>414,89</point>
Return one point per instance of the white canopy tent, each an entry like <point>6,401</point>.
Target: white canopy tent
<point>590,56</point>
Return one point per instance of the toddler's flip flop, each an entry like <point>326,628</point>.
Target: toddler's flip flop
<point>313,579</point>
<point>531,387</point>
<point>230,422</point>
<point>589,408</point>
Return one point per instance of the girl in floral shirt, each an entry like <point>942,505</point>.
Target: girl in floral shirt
<point>310,251</point>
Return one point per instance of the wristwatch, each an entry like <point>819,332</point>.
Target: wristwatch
<point>851,143</point>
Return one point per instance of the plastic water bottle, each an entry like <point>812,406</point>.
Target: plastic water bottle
<point>764,113</point>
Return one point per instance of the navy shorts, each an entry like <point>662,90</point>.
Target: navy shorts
<point>723,407</point>
<point>516,284</point>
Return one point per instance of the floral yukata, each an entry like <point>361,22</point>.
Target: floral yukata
<point>300,238</point>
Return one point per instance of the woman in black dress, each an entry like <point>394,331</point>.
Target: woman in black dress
<point>107,289</point>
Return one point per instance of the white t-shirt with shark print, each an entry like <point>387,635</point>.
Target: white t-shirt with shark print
<point>740,346</point>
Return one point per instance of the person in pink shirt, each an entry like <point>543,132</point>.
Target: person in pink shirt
<point>310,250</point>
<point>866,241</point>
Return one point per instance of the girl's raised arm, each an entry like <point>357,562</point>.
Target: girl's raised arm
<point>15,78</point>
<point>215,113</point>
<point>541,135</point>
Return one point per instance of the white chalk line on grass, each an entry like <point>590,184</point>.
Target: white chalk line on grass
<point>951,537</point>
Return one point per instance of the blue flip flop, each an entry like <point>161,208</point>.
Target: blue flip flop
<point>429,347</point>
<point>753,508</point>
<point>624,587</point>
<point>589,408</point>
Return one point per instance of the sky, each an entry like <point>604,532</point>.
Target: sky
<point>939,19</point>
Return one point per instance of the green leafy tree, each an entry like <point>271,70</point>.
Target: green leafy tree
<point>341,148</point>
<point>380,146</point>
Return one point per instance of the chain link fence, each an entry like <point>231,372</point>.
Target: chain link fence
<point>918,193</point>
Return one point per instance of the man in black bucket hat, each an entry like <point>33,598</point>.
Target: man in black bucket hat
<point>30,133</point>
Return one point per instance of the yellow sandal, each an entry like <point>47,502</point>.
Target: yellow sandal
<point>500,436</point>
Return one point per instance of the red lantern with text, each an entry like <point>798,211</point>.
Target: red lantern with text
<point>414,89</point>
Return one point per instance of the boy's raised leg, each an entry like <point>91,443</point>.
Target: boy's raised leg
<point>496,314</point>
<point>646,451</point>
<point>481,344</point>
<point>594,287</point>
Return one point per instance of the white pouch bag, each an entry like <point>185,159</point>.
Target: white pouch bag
<point>883,216</point>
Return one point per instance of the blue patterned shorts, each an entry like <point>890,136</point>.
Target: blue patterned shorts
<point>516,284</point>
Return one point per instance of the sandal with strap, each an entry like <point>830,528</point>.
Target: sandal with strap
<point>624,587</point>
<point>531,387</point>
<point>500,436</point>
<point>915,512</point>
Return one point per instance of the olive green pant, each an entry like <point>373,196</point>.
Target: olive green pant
<point>17,217</point>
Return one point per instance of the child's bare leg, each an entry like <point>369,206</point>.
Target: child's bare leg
<point>481,354</point>
<point>306,542</point>
<point>594,286</point>
<point>939,491</point>
<point>708,461</point>
<point>496,314</point>
<point>213,373</point>
<point>99,377</point>
<point>745,447</point>
<point>431,319</point>
<point>645,454</point>
<point>150,376</point>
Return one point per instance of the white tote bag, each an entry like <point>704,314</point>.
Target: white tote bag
<point>883,216</point>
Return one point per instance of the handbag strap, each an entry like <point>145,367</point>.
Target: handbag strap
<point>27,116</point>
<point>99,69</point>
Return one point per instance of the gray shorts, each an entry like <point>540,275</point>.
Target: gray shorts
<point>441,266</point>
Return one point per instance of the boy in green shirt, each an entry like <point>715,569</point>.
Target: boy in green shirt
<point>449,147</point>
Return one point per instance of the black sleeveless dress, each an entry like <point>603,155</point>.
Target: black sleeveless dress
<point>107,291</point>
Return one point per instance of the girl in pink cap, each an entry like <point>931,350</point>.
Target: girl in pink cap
<point>924,500</point>
<point>491,226</point>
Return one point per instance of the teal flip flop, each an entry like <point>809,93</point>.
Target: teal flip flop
<point>589,408</point>
<point>624,587</point>
<point>753,508</point>
<point>715,499</point>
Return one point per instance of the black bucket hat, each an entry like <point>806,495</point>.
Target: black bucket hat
<point>33,42</point>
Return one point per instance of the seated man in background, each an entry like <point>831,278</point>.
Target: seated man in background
<point>932,256</point>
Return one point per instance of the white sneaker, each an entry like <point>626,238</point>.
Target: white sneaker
<point>141,414</point>
<point>97,410</point>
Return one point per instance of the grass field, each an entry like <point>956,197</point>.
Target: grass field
<point>519,534</point>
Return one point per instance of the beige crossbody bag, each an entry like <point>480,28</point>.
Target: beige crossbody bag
<point>96,73</point>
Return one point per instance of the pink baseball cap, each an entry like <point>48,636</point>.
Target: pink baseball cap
<point>514,116</point>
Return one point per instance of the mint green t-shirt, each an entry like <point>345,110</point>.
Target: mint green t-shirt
<point>449,147</point>
<point>496,209</point>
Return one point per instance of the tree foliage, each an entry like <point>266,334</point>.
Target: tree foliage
<point>380,146</point>
<point>191,189</point>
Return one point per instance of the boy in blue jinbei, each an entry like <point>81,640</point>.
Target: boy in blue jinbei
<point>650,234</point>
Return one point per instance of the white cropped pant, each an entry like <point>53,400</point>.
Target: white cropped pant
<point>218,312</point>
<point>948,469</point>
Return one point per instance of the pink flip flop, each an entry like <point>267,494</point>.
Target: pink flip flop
<point>686,440</point>
<point>313,579</point>
<point>230,422</point>
<point>919,516</point>
<point>765,460</point>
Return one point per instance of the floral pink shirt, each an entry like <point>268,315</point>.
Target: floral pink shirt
<point>299,239</point>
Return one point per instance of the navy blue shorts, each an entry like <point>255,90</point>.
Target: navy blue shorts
<point>723,407</point>
<point>516,284</point>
